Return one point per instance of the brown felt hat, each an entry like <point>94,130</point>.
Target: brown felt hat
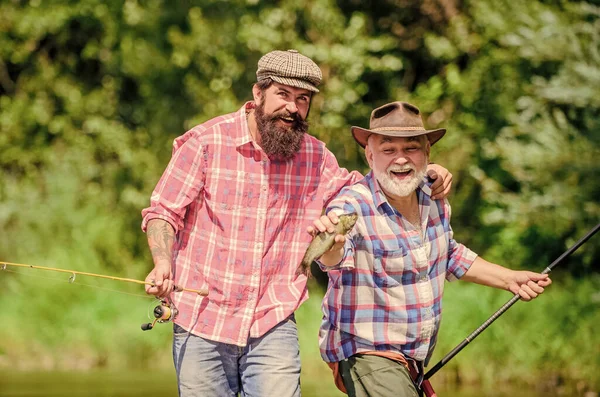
<point>399,119</point>
<point>289,68</point>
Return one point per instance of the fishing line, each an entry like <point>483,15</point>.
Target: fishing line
<point>78,283</point>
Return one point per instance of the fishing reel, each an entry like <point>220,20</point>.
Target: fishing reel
<point>163,313</point>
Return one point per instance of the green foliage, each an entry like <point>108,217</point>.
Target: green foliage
<point>519,80</point>
<point>93,92</point>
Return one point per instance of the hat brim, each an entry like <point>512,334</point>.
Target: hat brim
<point>298,83</point>
<point>361,135</point>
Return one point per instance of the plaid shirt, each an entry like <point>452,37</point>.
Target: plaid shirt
<point>241,221</point>
<point>386,293</point>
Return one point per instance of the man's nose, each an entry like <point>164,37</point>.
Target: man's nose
<point>401,160</point>
<point>291,107</point>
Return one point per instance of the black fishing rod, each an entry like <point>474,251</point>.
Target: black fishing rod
<point>505,307</point>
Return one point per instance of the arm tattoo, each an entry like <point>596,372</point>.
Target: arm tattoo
<point>161,238</point>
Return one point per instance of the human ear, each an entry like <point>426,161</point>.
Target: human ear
<point>257,94</point>
<point>369,155</point>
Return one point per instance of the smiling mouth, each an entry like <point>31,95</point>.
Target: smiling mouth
<point>401,174</point>
<point>287,120</point>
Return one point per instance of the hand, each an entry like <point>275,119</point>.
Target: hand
<point>161,277</point>
<point>442,181</point>
<point>528,284</point>
<point>326,223</point>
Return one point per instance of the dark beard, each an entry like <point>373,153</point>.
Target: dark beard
<point>279,143</point>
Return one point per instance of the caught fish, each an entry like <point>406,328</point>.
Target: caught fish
<point>323,242</point>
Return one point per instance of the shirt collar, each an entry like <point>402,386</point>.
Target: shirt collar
<point>245,136</point>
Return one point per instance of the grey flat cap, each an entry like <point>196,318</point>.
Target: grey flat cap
<point>290,68</point>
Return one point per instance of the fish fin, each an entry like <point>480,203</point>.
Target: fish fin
<point>303,268</point>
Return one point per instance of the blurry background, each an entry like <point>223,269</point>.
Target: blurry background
<point>92,94</point>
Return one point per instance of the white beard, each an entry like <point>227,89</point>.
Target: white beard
<point>395,187</point>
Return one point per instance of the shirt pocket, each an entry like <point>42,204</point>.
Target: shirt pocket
<point>390,262</point>
<point>230,190</point>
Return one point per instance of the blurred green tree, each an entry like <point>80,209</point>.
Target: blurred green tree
<point>93,92</point>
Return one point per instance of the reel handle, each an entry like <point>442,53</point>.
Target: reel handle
<point>148,326</point>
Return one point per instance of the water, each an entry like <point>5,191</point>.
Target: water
<point>93,384</point>
<point>163,384</point>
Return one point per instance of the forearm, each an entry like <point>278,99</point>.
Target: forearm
<point>161,238</point>
<point>487,273</point>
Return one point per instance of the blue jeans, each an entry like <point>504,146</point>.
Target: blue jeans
<point>267,366</point>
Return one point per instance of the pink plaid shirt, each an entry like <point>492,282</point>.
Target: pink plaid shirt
<point>240,221</point>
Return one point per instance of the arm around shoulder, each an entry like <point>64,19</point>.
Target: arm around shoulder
<point>442,181</point>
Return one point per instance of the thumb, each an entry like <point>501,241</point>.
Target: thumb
<point>432,174</point>
<point>537,276</point>
<point>339,242</point>
<point>162,273</point>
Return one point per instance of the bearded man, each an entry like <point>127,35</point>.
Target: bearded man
<point>228,216</point>
<point>383,305</point>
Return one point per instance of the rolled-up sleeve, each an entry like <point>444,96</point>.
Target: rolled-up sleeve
<point>460,260</point>
<point>179,185</point>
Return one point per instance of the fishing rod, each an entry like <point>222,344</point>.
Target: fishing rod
<point>505,307</point>
<point>163,312</point>
<point>75,272</point>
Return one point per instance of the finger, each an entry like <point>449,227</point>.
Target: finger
<point>514,288</point>
<point>536,276</point>
<point>313,230</point>
<point>339,242</point>
<point>329,226</point>
<point>545,283</point>
<point>166,289</point>
<point>529,292</point>
<point>524,295</point>
<point>153,290</point>
<point>432,174</point>
<point>333,217</point>
<point>150,279</point>
<point>319,226</point>
<point>447,184</point>
<point>538,289</point>
<point>159,277</point>
<point>437,188</point>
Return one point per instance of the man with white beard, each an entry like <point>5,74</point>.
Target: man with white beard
<point>383,305</point>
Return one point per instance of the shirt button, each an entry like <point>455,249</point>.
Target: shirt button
<point>264,188</point>
<point>424,278</point>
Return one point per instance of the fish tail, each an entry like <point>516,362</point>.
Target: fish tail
<point>304,268</point>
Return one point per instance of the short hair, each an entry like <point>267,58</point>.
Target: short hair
<point>264,84</point>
